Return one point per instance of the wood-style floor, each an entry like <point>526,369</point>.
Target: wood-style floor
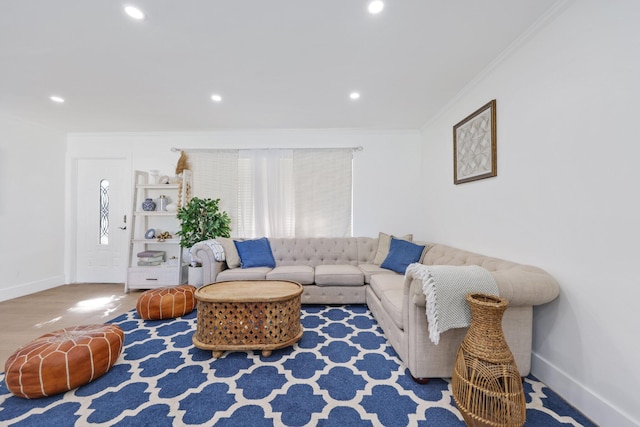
<point>26,318</point>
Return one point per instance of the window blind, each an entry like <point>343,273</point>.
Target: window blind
<point>279,192</point>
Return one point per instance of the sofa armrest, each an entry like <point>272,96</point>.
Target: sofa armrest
<point>414,293</point>
<point>526,285</point>
<point>203,254</point>
<point>521,285</point>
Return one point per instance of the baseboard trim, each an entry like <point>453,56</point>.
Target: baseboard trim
<point>599,410</point>
<point>31,287</point>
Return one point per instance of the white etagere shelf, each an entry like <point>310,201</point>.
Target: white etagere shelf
<point>156,241</point>
<point>154,213</point>
<point>173,271</point>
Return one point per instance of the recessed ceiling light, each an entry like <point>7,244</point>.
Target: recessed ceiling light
<point>354,95</point>
<point>216,98</point>
<point>57,99</point>
<point>134,12</point>
<point>376,6</point>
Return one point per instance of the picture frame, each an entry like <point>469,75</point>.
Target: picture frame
<point>475,145</point>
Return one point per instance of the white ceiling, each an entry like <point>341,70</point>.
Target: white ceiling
<point>277,63</point>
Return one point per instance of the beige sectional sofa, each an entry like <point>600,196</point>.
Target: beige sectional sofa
<point>342,271</point>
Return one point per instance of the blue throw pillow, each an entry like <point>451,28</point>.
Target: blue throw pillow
<point>401,254</point>
<point>255,253</point>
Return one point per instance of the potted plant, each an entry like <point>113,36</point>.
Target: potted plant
<point>201,219</point>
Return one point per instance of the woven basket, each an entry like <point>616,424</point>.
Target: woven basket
<point>487,387</point>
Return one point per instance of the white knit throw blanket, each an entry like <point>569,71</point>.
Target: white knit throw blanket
<point>216,248</point>
<point>445,288</point>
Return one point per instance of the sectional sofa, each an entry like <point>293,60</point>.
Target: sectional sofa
<point>351,271</point>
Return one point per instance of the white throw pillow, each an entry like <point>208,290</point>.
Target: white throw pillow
<point>384,240</point>
<point>230,252</point>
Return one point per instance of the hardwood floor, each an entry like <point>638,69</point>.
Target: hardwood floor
<point>26,318</point>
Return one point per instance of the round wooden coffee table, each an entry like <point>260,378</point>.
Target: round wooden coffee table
<point>248,315</point>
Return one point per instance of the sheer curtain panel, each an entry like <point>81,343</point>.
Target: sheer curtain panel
<point>266,196</point>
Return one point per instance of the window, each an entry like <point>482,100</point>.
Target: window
<point>104,213</point>
<point>323,192</point>
<point>279,193</point>
<point>266,193</point>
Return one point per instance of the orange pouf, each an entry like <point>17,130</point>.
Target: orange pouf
<point>166,303</point>
<point>63,360</point>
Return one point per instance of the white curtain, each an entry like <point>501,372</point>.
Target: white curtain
<point>266,196</point>
<point>279,193</point>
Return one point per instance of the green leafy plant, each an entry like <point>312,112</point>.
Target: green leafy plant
<point>201,219</point>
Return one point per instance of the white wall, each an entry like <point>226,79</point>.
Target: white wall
<point>386,171</point>
<point>565,198</point>
<point>32,166</point>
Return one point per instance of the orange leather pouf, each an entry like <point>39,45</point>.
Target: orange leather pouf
<point>63,360</point>
<point>166,303</point>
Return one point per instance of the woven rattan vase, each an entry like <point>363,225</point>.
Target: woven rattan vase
<point>486,384</point>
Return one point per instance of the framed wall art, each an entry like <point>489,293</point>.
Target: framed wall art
<point>474,146</point>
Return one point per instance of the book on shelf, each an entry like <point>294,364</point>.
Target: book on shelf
<point>148,263</point>
<point>149,254</point>
<point>150,259</point>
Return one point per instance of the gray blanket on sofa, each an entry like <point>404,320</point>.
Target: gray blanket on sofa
<point>445,288</point>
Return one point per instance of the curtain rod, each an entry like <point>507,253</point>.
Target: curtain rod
<point>203,150</point>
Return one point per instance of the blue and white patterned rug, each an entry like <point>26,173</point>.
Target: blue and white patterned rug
<point>343,372</point>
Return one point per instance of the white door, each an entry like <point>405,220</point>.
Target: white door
<point>102,220</point>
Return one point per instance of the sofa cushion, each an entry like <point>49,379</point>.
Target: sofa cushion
<point>401,254</point>
<point>384,240</point>
<point>392,303</point>
<point>389,289</point>
<point>255,273</point>
<point>302,274</point>
<point>383,282</point>
<point>230,252</point>
<point>255,253</point>
<point>349,275</point>
<point>371,269</point>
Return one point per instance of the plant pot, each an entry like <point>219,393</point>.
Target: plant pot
<point>194,277</point>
